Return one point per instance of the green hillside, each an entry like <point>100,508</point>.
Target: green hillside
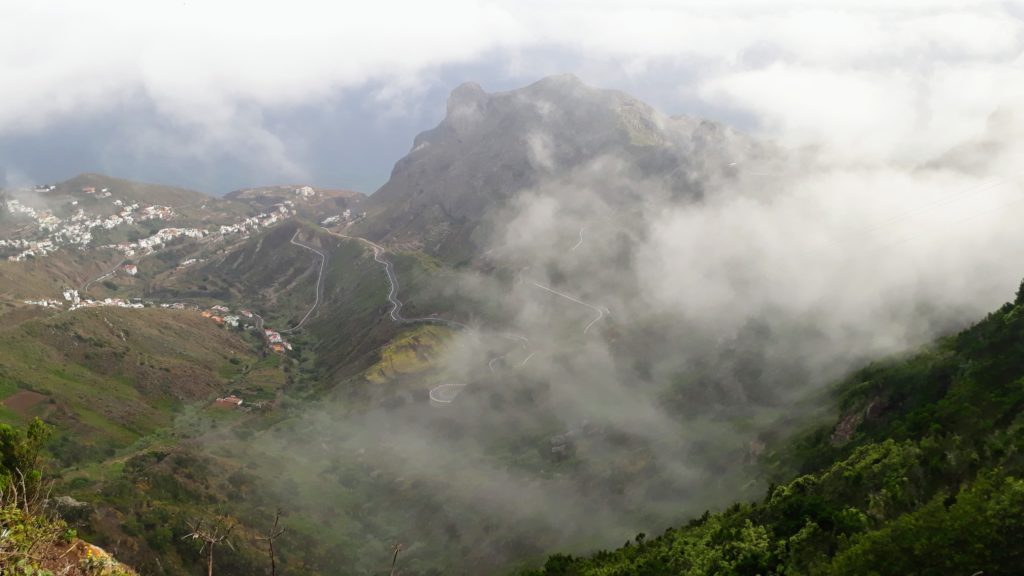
<point>129,393</point>
<point>108,376</point>
<point>922,473</point>
<point>270,275</point>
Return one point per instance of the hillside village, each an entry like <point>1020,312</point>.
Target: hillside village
<point>77,229</point>
<point>219,314</point>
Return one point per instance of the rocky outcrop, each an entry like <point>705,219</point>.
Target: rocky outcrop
<point>491,146</point>
<point>850,422</point>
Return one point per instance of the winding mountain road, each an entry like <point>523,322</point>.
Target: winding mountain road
<point>601,312</point>
<point>319,283</point>
<point>445,393</point>
<point>577,245</point>
<point>104,276</point>
<point>396,305</point>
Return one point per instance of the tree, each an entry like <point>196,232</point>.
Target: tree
<point>270,537</point>
<point>210,536</point>
<point>19,456</point>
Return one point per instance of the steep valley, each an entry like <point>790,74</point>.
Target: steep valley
<point>477,366</point>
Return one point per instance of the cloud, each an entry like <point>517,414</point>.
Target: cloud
<point>803,70</point>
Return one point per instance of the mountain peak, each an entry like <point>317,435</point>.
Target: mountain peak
<point>467,91</point>
<point>466,106</point>
<point>566,79</point>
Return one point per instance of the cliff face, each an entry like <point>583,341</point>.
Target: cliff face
<point>489,147</point>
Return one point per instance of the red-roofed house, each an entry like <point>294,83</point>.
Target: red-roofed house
<point>229,401</point>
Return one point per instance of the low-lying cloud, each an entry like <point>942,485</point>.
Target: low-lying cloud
<point>877,75</point>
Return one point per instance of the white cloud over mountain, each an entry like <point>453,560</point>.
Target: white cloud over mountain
<point>905,81</point>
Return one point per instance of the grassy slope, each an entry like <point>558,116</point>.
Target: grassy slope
<point>265,273</point>
<point>920,475</point>
<point>268,274</point>
<point>46,277</point>
<point>128,392</point>
<point>138,191</point>
<point>109,376</point>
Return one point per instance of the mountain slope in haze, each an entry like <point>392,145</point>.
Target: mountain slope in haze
<point>491,146</point>
<point>566,416</point>
<point>137,191</point>
<point>921,473</point>
<point>317,203</point>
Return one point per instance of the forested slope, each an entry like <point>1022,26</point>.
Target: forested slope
<point>922,474</point>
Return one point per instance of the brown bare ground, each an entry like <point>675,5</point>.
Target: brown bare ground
<point>24,400</point>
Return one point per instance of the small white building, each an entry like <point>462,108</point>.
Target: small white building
<point>72,296</point>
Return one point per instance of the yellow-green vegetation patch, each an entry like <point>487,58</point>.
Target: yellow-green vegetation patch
<point>411,352</point>
<point>426,261</point>
<point>231,369</point>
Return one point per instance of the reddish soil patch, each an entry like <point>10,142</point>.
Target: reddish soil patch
<point>23,401</point>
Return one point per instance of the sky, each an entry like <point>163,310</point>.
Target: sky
<point>222,95</point>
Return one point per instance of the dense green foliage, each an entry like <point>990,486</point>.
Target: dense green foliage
<point>33,541</point>
<point>19,457</point>
<point>922,474</point>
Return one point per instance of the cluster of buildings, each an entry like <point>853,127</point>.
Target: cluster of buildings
<point>75,302</point>
<point>264,219</point>
<point>16,207</point>
<point>114,302</point>
<point>28,248</point>
<point>157,213</point>
<point>277,342</point>
<point>77,229</point>
<point>157,240</point>
<point>180,306</point>
<point>346,216</point>
<point>221,315</point>
<point>31,248</point>
<point>45,303</point>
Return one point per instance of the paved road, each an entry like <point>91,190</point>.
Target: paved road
<point>319,283</point>
<point>600,311</point>
<point>396,304</point>
<point>582,228</point>
<point>104,276</point>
